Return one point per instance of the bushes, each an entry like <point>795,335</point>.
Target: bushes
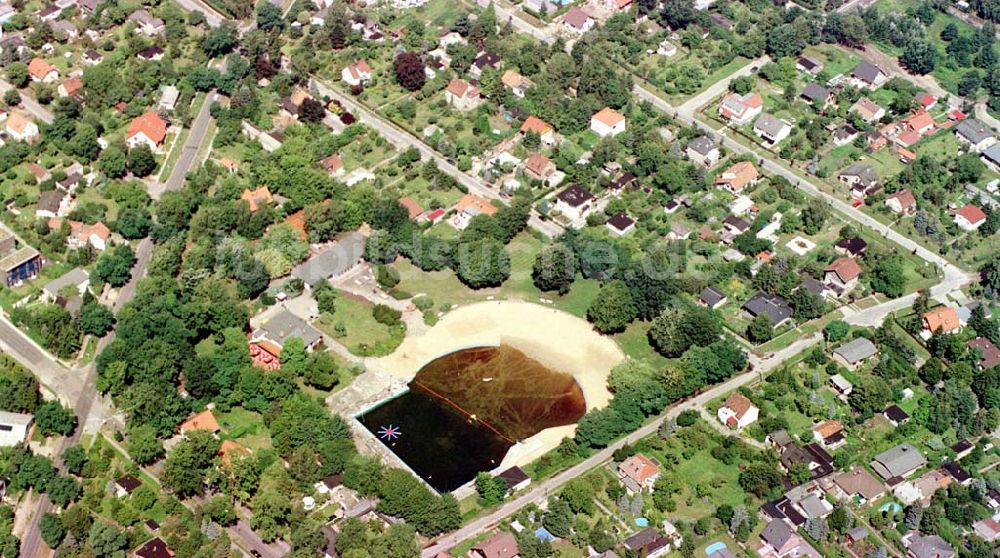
<point>386,315</point>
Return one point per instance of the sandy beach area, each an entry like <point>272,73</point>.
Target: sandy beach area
<point>555,338</point>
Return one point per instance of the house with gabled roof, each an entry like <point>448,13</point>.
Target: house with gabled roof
<point>539,167</point>
<point>738,412</point>
<point>204,420</point>
<point>868,76</point>
<point>538,126</point>
<point>970,217</point>
<point>842,275</point>
<point>578,21</point>
<point>902,202</point>
<point>868,110</point>
<point>738,177</point>
<point>639,473</point>
<point>462,95</point>
<point>771,129</point>
<point>575,202</point>
<point>975,134</point>
<point>944,319</point>
<point>607,122</point>
<point>41,71</point>
<point>147,129</point>
<point>741,109</point>
<point>356,73</point>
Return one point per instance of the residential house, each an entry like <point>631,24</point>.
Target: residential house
<point>515,478</point>
<point>283,325</point>
<point>578,21</point>
<point>22,128</point>
<point>468,207</point>
<point>332,262</point>
<point>539,167</point>
<point>742,205</point>
<point>776,308</point>
<point>462,95</point>
<point>811,456</point>
<point>151,54</point>
<point>842,275</point>
<point>703,150</point>
<point>900,461</point>
<point>829,433</point>
<point>712,298</point>
<point>895,415</point>
<point>771,129</point>
<point>574,202</point>
<point>845,134</point>
<point>146,23</point>
<point>970,217</point>
<point>148,129</point>
<point>987,529</point>
<point>52,203</point>
<point>517,83</point>
<point>841,385</point>
<point>991,157</point>
<point>649,543</point>
<point>333,165</point>
<point>680,231</point>
<point>91,57</point>
<point>957,473</point>
<point>868,110</point>
<point>990,354</point>
<point>500,545</point>
<point>538,126</point>
<point>738,177</point>
<point>868,76</point>
<point>902,202</point>
<point>81,234</point>
<point>154,548</point>
<point>920,123</point>
<point>76,281</point>
<point>926,100</point>
<point>204,420</point>
<point>817,95</point>
<point>257,198</point>
<point>863,180</point>
<point>620,224</point>
<point>741,109</point>
<point>87,6</point>
<point>779,540</point>
<point>607,122</point>
<point>70,87</point>
<point>858,483</point>
<point>735,226</point>
<point>943,318</point>
<point>853,247</point>
<point>413,208</point>
<point>975,134</point>
<point>169,97</point>
<point>20,265</point>
<point>666,48</point>
<point>356,73</point>
<point>927,546</point>
<point>126,485</point>
<point>920,490</point>
<point>738,412</point>
<point>808,65</point>
<point>853,353</point>
<point>483,61</point>
<point>14,428</point>
<point>41,71</point>
<point>639,473</point>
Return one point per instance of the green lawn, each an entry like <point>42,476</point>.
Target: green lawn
<point>362,334</point>
<point>245,427</point>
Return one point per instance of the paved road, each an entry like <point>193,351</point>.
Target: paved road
<point>540,492</point>
<point>28,103</point>
<point>403,139</point>
<point>212,17</point>
<point>189,151</point>
<point>520,25</point>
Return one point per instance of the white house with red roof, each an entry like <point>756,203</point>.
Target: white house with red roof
<point>741,109</point>
<point>607,122</point>
<point>902,202</point>
<point>738,412</point>
<point>148,129</point>
<point>41,71</point>
<point>578,21</point>
<point>357,73</point>
<point>462,94</point>
<point>970,217</point>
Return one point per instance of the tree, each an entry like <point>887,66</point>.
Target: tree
<point>759,478</point>
<point>559,518</point>
<point>613,308</point>
<point>133,223</point>
<point>554,268</point>
<point>919,56</point>
<point>409,71</point>
<point>293,356</point>
<point>836,330</point>
<point>17,74</point>
<point>62,490</point>
<point>870,396</point>
<point>107,540</point>
<point>220,40</point>
<point>187,464</point>
<point>887,276</point>
<point>268,17</point>
<point>140,161</point>
<point>490,489</point>
<point>113,162</point>
<point>114,266</point>
<point>52,418</point>
<point>760,329</point>
<point>74,458</point>
<point>96,319</point>
<point>321,370</point>
<point>12,98</point>
<point>52,530</point>
<point>482,263</point>
<point>143,444</point>
<point>19,391</point>
<point>674,332</point>
<point>311,111</point>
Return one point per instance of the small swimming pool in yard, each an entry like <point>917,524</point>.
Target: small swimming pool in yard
<point>641,522</point>
<point>715,547</point>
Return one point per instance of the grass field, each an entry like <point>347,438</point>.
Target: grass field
<point>362,334</point>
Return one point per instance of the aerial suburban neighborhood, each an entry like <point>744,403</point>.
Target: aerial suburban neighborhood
<point>500,279</point>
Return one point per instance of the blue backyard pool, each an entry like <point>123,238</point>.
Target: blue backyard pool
<point>641,522</point>
<point>715,547</point>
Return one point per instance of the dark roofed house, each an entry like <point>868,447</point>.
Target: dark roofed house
<point>712,297</point>
<point>154,548</point>
<point>962,448</point>
<point>808,65</point>
<point>817,95</point>
<point>284,325</point>
<point>866,74</point>
<point>621,224</point>
<point>990,352</point>
<point>344,255</point>
<point>777,309</point>
<point>852,247</point>
<point>895,415</point>
<point>956,472</point>
<point>900,461</point>
<point>927,546</point>
<point>515,478</point>
<point>854,352</point>
<point>575,202</point>
<point>863,179</point>
<point>974,133</point>
<point>648,542</point>
<point>779,536</point>
<point>126,485</point>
